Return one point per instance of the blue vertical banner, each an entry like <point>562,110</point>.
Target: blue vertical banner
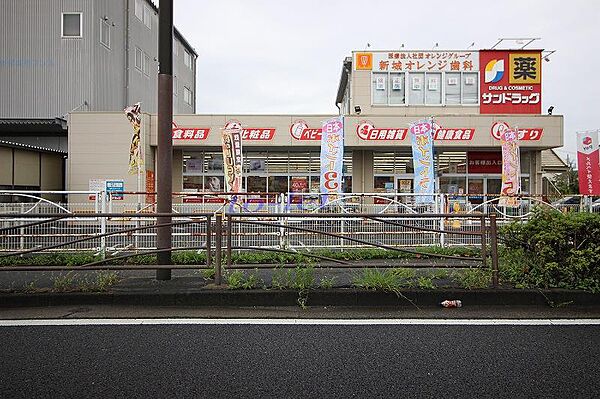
<point>332,157</point>
<point>421,133</point>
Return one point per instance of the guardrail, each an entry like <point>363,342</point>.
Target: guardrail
<point>229,232</point>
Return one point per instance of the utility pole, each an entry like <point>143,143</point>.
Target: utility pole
<point>165,142</point>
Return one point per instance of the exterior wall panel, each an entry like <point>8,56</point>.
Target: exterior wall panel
<point>27,168</point>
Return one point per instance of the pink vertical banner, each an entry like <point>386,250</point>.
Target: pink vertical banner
<point>511,167</point>
<point>588,163</point>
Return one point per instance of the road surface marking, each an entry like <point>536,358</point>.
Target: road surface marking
<point>342,322</point>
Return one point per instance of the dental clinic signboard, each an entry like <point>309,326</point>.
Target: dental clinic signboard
<point>510,82</point>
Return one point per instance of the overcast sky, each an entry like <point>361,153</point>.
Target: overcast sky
<point>285,57</point>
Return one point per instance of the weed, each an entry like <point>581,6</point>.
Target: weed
<point>304,278</point>
<point>105,280</point>
<point>426,283</point>
<point>30,287</point>
<point>235,279</point>
<point>280,280</point>
<point>64,282</point>
<point>208,274</point>
<point>327,282</point>
<point>252,281</point>
<point>473,278</point>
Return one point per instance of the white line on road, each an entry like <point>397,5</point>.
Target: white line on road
<point>343,322</point>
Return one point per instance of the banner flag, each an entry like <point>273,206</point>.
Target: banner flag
<point>231,140</point>
<point>588,163</point>
<point>421,133</point>
<point>135,149</point>
<point>511,168</point>
<point>332,157</point>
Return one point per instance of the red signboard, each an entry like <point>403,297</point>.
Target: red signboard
<point>367,131</point>
<point>252,133</point>
<point>484,162</point>
<point>453,134</point>
<point>510,81</point>
<point>588,163</point>
<point>528,133</point>
<point>301,131</point>
<point>189,133</point>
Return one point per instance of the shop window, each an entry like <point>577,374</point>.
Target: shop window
<point>470,88</point>
<point>213,162</point>
<point>278,184</point>
<point>383,162</point>
<point>214,183</point>
<point>396,89</point>
<point>193,183</point>
<point>525,159</point>
<point>315,186</point>
<point>452,88</point>
<point>279,162</point>
<point>255,162</point>
<point>256,184</point>
<point>416,92</point>
<point>380,88</point>
<point>453,185</point>
<point>433,89</point>
<point>383,184</point>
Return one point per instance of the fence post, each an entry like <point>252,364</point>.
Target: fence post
<point>218,248</point>
<point>22,231</point>
<point>103,224</point>
<point>483,230</point>
<point>229,227</point>
<point>208,241</point>
<point>441,209</point>
<point>494,243</point>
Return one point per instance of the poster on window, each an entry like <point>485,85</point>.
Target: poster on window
<point>511,168</point>
<point>332,156</point>
<point>396,83</point>
<point>380,83</point>
<point>421,133</point>
<point>588,163</point>
<point>232,158</point>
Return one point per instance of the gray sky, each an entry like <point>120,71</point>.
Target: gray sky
<point>280,57</point>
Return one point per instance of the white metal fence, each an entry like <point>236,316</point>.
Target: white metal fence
<point>399,231</point>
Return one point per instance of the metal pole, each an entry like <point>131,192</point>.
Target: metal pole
<point>483,230</point>
<point>229,241</point>
<point>165,144</point>
<point>208,241</point>
<point>218,248</point>
<point>494,243</point>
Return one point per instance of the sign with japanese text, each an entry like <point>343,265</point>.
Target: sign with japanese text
<point>95,185</point>
<point>421,61</point>
<point>588,163</point>
<point>454,134</point>
<point>511,165</point>
<point>301,131</point>
<point>422,150</point>
<point>529,134</point>
<point>484,162</point>
<point>189,133</point>
<point>232,159</point>
<point>114,189</point>
<point>150,187</point>
<point>332,156</point>
<point>252,133</point>
<point>367,131</point>
<point>510,82</point>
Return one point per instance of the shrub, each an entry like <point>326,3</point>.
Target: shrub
<point>553,250</point>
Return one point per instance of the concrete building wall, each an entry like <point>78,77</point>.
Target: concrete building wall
<point>6,166</point>
<point>51,168</point>
<point>44,75</point>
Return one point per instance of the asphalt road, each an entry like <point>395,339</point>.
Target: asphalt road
<point>307,361</point>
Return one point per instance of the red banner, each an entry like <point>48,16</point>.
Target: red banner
<point>510,82</point>
<point>453,134</point>
<point>484,162</point>
<point>252,133</point>
<point>531,134</point>
<point>367,131</point>
<point>588,163</point>
<point>301,131</point>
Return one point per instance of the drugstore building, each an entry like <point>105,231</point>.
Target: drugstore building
<point>471,96</point>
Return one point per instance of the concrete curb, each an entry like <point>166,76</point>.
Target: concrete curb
<point>334,297</point>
